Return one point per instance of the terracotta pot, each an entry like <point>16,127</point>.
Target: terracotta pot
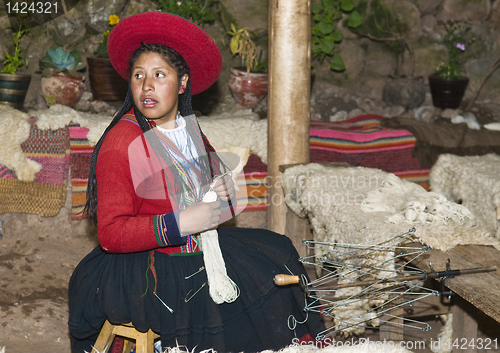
<point>247,88</point>
<point>105,83</point>
<point>447,93</point>
<point>13,88</point>
<point>62,89</point>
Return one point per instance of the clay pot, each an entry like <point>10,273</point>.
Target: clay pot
<point>62,89</point>
<point>105,82</point>
<point>13,88</point>
<point>248,88</point>
<point>447,93</point>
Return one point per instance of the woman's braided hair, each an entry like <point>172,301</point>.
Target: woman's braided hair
<point>177,62</point>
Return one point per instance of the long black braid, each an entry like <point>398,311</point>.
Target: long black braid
<point>204,163</point>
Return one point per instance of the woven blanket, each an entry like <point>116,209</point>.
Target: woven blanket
<point>46,195</point>
<point>360,141</point>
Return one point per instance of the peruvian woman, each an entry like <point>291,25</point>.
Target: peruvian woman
<point>150,174</point>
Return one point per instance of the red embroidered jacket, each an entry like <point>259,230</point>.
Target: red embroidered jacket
<point>134,210</point>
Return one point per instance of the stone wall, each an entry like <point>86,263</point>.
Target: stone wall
<point>368,63</point>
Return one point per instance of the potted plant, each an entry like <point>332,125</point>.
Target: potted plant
<point>105,83</point>
<point>14,85</point>
<point>449,82</point>
<point>248,84</point>
<point>62,81</point>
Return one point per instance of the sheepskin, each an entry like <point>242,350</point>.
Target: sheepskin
<point>354,205</point>
<point>242,129</point>
<point>58,116</point>
<point>14,130</point>
<point>474,181</point>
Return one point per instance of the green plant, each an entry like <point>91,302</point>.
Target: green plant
<point>102,48</point>
<point>243,45</point>
<point>457,41</point>
<point>203,11</point>
<point>325,33</point>
<point>57,60</point>
<point>380,24</point>
<point>13,62</point>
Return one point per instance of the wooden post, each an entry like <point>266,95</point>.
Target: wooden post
<point>288,98</point>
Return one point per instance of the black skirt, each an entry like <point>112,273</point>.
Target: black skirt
<point>120,288</point>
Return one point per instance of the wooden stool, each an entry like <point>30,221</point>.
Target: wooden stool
<point>144,341</point>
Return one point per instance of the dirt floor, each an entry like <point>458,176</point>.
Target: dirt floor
<point>35,268</point>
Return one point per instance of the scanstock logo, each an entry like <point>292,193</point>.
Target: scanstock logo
<point>34,13</point>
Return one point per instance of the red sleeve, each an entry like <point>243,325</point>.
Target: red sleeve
<point>126,219</point>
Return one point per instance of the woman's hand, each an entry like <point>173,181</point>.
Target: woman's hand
<point>224,187</point>
<point>199,217</point>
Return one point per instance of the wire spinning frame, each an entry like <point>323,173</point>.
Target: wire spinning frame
<point>364,285</point>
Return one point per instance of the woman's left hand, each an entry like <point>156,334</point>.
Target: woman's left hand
<point>224,187</point>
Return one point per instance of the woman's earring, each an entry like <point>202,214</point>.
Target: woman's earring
<point>183,90</point>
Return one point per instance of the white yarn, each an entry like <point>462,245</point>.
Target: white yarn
<point>222,288</point>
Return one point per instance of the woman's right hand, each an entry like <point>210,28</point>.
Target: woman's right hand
<point>199,217</point>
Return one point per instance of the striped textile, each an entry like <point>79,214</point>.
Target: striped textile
<point>360,141</point>
<point>81,153</point>
<point>50,148</point>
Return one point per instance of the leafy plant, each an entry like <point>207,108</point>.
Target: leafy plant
<point>243,45</point>
<point>57,60</point>
<point>13,62</point>
<point>381,25</point>
<point>457,41</point>
<point>201,10</point>
<point>102,48</point>
<point>325,33</point>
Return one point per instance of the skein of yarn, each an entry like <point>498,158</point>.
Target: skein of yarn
<point>221,287</point>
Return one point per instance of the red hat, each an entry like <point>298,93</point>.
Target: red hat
<point>199,50</point>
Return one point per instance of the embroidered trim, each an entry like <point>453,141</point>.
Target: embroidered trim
<point>166,230</point>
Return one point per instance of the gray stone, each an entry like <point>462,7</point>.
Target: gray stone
<point>133,7</point>
<point>84,104</point>
<point>392,112</point>
<point>378,61</point>
<point>426,114</point>
<point>100,10</point>
<point>427,7</point>
<point>407,92</point>
<point>429,23</point>
<point>68,29</point>
<point>249,14</point>
<point>406,12</point>
<point>449,113</point>
<point>427,58</point>
<point>339,116</point>
<point>354,113</point>
<point>458,10</point>
<point>100,107</point>
<point>353,56</point>
<point>495,13</point>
